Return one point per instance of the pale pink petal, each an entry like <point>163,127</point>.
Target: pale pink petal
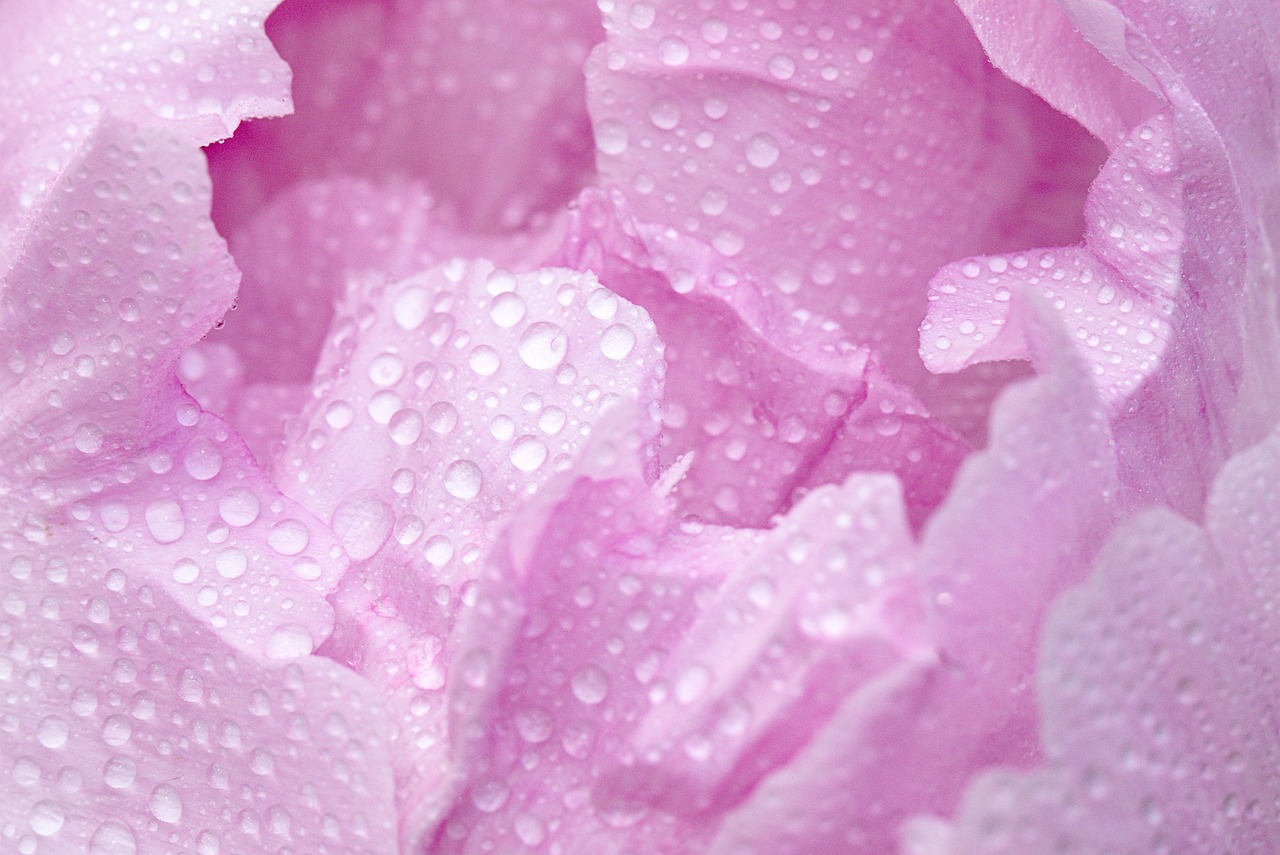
<point>132,727</point>
<point>1212,390</point>
<point>826,602</point>
<point>442,402</point>
<point>482,100</point>
<point>1116,293</point>
<point>97,308</point>
<point>1037,500</point>
<point>833,157</point>
<point>299,253</point>
<point>759,403</point>
<point>154,572</point>
<point>627,679</point>
<point>1155,683</point>
<point>64,64</point>
<point>1039,45</point>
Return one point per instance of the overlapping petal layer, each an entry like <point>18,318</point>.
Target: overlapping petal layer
<point>632,678</point>
<point>482,101</point>
<point>442,402</point>
<point>1155,683</point>
<point>834,157</point>
<point>1038,499</point>
<point>66,64</point>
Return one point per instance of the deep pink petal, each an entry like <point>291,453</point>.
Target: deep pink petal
<point>483,101</point>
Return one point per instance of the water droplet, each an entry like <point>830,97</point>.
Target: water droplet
<point>543,345</point>
<point>534,724</point>
<point>590,685</point>
<point>119,772</point>
<point>411,308</point>
<point>112,838</point>
<point>289,537</point>
<point>363,523</point>
<point>463,479</point>
<point>762,151</point>
<point>528,453</point>
<point>239,507</point>
<point>507,309</point>
<point>665,114</point>
<point>617,341</point>
<point>203,460</point>
<point>673,51</point>
<point>231,563</point>
<point>386,369</point>
<point>46,818</point>
<point>484,360</point>
<point>165,804</point>
<point>442,417</point>
<point>289,642</point>
<point>89,438</point>
<point>782,67</point>
<point>165,520</point>
<point>611,138</point>
<point>405,427</point>
<point>490,795</point>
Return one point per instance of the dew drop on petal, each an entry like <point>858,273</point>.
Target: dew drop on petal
<point>165,804</point>
<point>165,520</point>
<point>543,345</point>
<point>463,479</point>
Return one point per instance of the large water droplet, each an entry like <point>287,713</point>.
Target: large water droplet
<point>762,151</point>
<point>239,507</point>
<point>463,479</point>
<point>590,685</point>
<point>165,804</point>
<point>165,520</point>
<point>46,818</point>
<point>543,345</point>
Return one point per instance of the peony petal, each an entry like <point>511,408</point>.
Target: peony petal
<point>1116,293</point>
<point>760,404</point>
<point>1155,684</point>
<point>130,726</point>
<point>483,101</point>
<point>300,252</point>
<point>1037,499</point>
<point>442,402</point>
<point>1210,395</point>
<point>825,602</point>
<point>64,64</point>
<point>832,158</point>
<point>103,439</point>
<point>212,373</point>
<point>1040,45</point>
<point>629,678</point>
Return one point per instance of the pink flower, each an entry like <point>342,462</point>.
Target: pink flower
<point>668,427</point>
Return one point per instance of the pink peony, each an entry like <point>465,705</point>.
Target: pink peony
<point>679,426</point>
